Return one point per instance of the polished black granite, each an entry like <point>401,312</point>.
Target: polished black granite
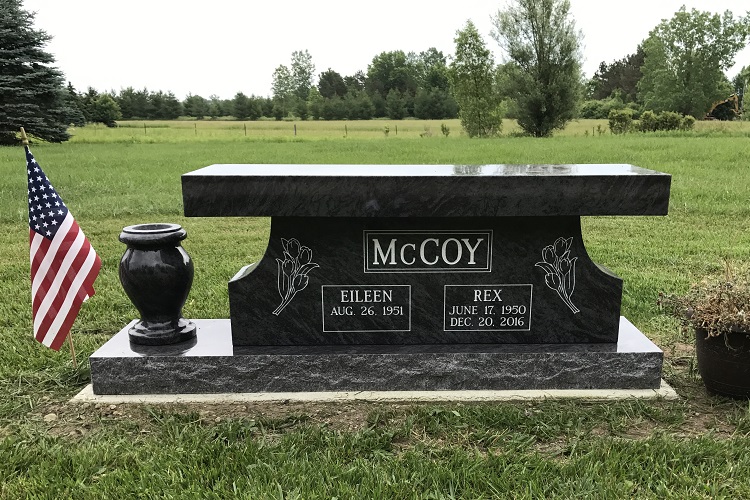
<point>460,280</point>
<point>211,364</point>
<point>424,190</point>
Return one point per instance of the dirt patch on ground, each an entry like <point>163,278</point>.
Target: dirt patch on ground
<point>76,420</point>
<point>680,354</point>
<point>79,419</point>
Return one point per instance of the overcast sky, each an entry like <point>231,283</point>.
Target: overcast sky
<point>225,46</point>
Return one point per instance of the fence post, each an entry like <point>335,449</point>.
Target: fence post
<point>396,129</point>
<point>245,124</point>
<point>346,131</point>
<point>295,129</point>
<point>144,128</point>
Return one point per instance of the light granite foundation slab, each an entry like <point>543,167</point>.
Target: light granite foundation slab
<point>665,391</point>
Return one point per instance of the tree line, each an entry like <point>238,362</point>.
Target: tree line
<point>397,85</point>
<point>680,67</point>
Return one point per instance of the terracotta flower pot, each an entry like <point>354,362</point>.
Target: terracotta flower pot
<point>157,274</point>
<point>724,363</point>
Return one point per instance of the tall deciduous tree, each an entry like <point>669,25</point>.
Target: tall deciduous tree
<point>432,70</point>
<point>391,71</point>
<point>356,81</point>
<point>686,57</point>
<point>543,48</point>
<point>282,88</point>
<point>282,85</point>
<point>291,85</point>
<point>740,82</point>
<point>32,92</point>
<point>433,99</point>
<point>303,71</point>
<point>473,83</point>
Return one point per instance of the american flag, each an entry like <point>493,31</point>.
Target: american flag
<point>64,265</point>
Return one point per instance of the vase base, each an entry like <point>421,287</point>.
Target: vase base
<point>162,333</point>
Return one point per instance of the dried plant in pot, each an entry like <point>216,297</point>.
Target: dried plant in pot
<point>717,310</point>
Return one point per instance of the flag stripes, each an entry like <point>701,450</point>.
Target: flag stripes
<point>61,281</point>
<point>64,265</point>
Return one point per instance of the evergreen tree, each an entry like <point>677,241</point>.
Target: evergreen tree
<point>105,110</point>
<point>396,105</point>
<point>472,76</point>
<point>74,107</point>
<point>163,106</point>
<point>32,92</point>
<point>87,103</point>
<point>314,103</point>
<point>241,106</point>
<point>172,107</point>
<point>195,106</point>
<point>331,84</point>
<point>126,100</point>
<point>359,105</point>
<point>543,46</point>
<point>623,75</point>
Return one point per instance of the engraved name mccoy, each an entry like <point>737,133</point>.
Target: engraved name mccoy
<point>428,251</point>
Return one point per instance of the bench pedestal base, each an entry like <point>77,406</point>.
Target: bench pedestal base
<point>210,364</point>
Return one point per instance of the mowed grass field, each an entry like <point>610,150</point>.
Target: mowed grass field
<point>691,448</point>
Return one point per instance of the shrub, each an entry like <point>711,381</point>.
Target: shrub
<point>688,122</point>
<point>668,120</point>
<point>648,122</point>
<point>599,109</point>
<point>445,129</point>
<point>637,110</point>
<point>593,110</point>
<point>620,120</point>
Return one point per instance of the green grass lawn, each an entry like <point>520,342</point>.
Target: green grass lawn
<point>111,178</point>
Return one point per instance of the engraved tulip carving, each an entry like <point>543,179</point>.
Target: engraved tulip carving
<point>293,271</point>
<point>560,269</point>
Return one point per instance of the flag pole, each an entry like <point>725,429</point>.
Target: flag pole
<point>25,142</point>
<point>72,350</point>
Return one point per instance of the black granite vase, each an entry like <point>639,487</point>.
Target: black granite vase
<point>157,274</point>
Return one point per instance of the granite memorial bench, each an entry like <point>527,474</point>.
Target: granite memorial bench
<point>409,277</point>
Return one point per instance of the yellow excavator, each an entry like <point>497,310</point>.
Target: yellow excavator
<point>728,109</point>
